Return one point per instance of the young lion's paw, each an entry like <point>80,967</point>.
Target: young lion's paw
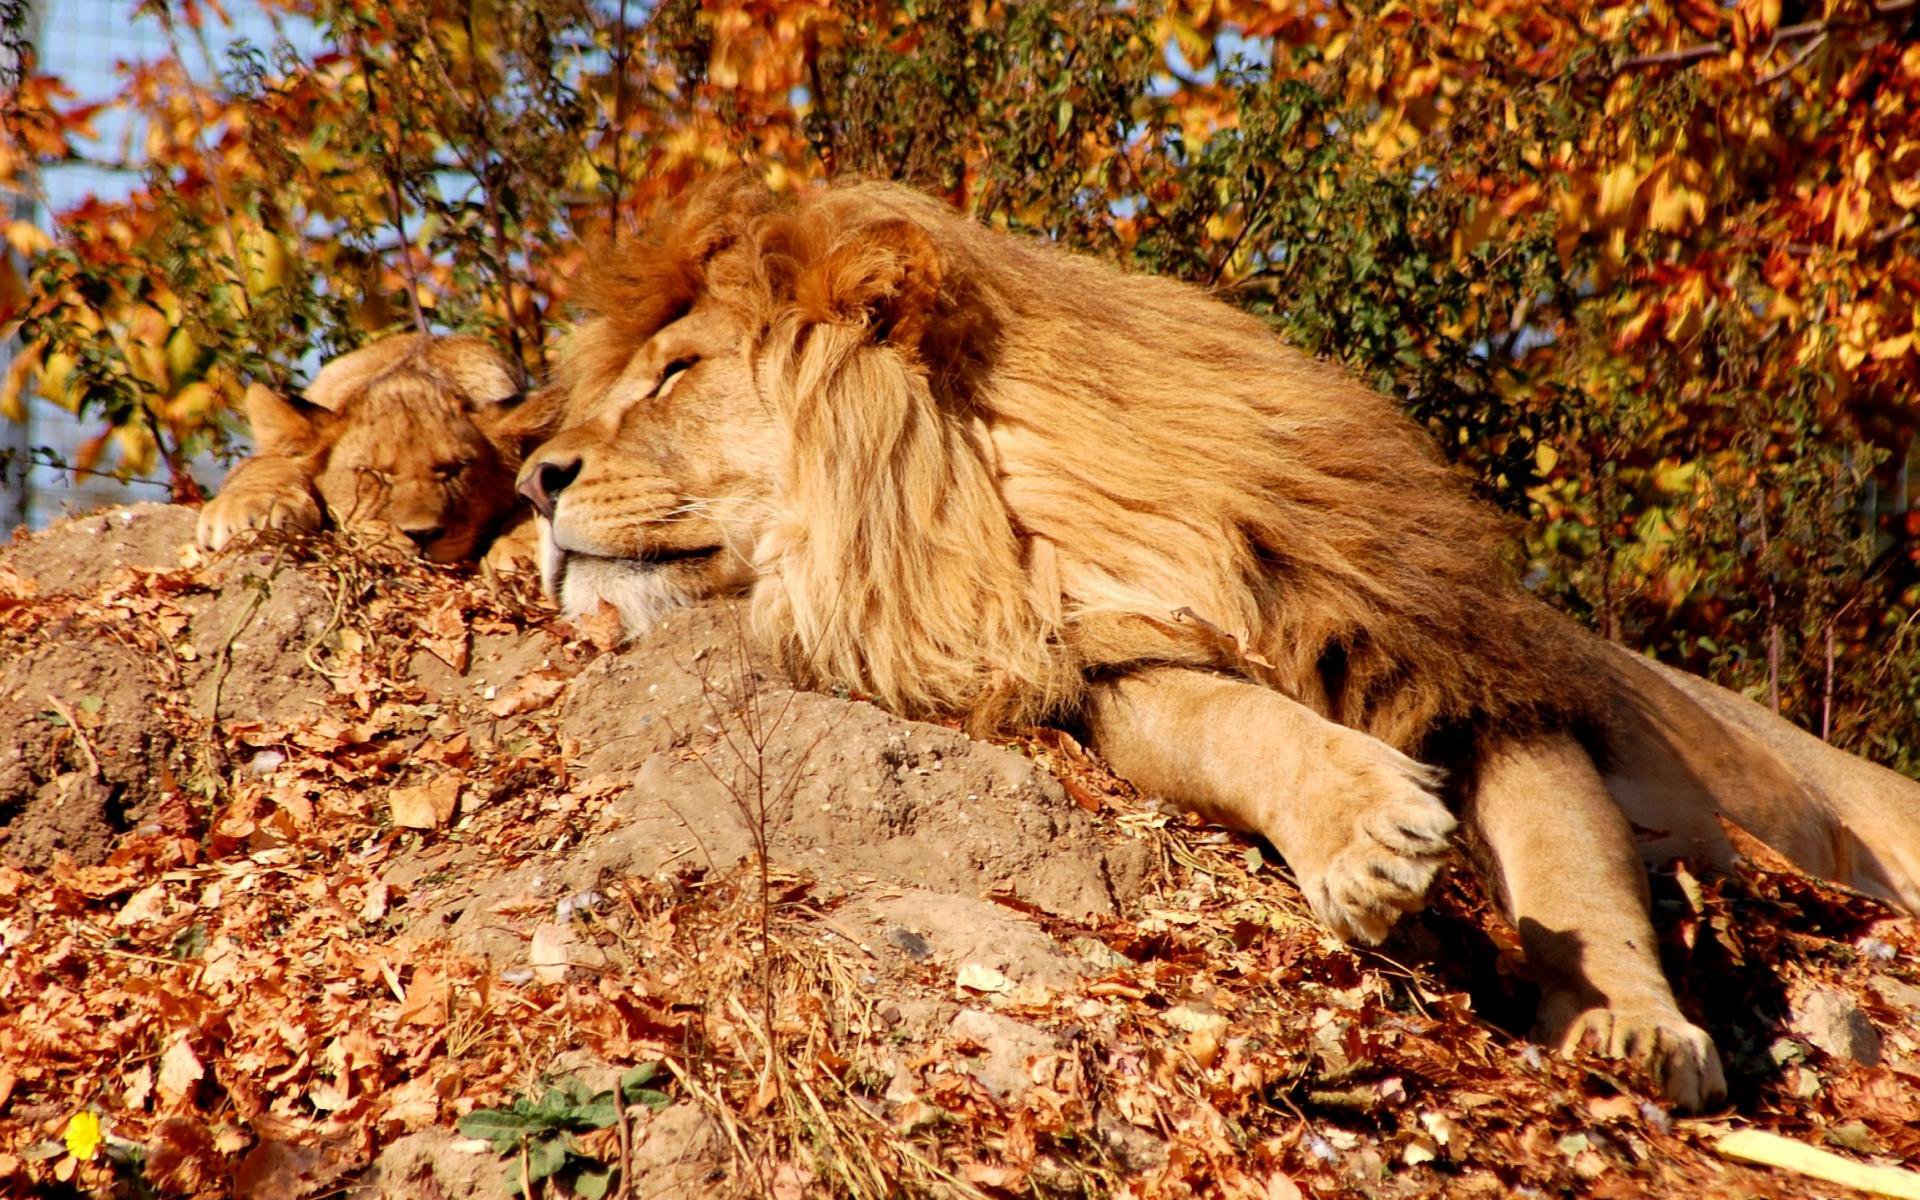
<point>1394,841</point>
<point>230,514</point>
<point>1677,1054</point>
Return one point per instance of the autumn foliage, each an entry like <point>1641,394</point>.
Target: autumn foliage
<point>1648,271</point>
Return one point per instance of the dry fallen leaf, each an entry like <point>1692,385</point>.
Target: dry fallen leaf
<point>536,689</point>
<point>550,952</point>
<point>180,1070</point>
<point>445,635</point>
<point>601,626</point>
<point>427,806</point>
<point>147,904</point>
<point>976,977</point>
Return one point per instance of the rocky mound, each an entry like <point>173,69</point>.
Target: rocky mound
<point>326,871</point>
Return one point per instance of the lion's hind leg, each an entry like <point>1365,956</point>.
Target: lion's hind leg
<point>1561,857</point>
<point>1684,752</point>
<point>1356,820</point>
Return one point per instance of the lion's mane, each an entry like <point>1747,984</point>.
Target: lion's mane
<point>1010,468</point>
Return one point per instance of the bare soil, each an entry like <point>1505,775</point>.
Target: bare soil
<point>306,853</point>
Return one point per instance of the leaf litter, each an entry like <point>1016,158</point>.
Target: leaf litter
<point>365,942</point>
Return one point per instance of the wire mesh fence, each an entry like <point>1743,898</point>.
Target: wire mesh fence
<point>90,44</point>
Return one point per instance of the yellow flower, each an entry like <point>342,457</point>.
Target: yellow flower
<point>83,1135</point>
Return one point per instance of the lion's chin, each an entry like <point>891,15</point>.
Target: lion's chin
<point>641,592</point>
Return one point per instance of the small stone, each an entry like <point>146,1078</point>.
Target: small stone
<point>1008,1046</point>
<point>1832,1021</point>
<point>910,943</point>
<point>1895,993</point>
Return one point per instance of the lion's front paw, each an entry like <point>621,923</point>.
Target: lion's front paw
<point>514,552</point>
<point>229,514</point>
<point>1677,1054</point>
<point>1367,853</point>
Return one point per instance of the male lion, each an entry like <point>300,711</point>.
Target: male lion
<point>412,433</point>
<point>964,472</point>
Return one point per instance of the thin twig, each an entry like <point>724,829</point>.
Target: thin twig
<point>390,171</point>
<point>79,735</point>
<point>1819,30</point>
<point>626,1143</point>
<point>1793,64</point>
<point>1246,228</point>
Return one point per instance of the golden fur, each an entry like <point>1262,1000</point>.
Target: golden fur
<point>412,434</point>
<point>1059,458</point>
<point>966,473</point>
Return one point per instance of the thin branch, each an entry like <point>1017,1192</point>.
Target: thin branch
<point>391,173</point>
<point>1793,64</point>
<point>1254,217</point>
<point>621,52</point>
<point>1786,34</point>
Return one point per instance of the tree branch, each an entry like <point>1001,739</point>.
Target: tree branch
<point>1819,31</point>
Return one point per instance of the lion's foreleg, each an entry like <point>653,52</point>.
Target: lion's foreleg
<point>1356,820</point>
<point>266,492</point>
<point>1561,857</point>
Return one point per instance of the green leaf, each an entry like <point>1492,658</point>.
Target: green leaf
<point>504,1128</point>
<point>638,1076</point>
<point>597,1113</point>
<point>544,1157</point>
<point>593,1182</point>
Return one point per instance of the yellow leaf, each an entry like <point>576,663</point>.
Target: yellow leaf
<point>1852,214</point>
<point>13,392</point>
<point>1617,189</point>
<point>1772,1150</point>
<point>83,1135</point>
<point>190,404</point>
<point>1893,347</point>
<point>56,380</point>
<point>27,239</point>
<point>1674,206</point>
<point>1903,165</point>
<point>137,451</point>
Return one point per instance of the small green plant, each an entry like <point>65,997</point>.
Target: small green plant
<point>540,1135</point>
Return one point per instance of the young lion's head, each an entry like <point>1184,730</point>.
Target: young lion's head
<point>421,433</point>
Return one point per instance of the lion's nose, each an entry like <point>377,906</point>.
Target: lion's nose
<point>426,537</point>
<point>542,482</point>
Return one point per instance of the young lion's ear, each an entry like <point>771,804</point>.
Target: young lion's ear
<point>280,426</point>
<point>481,373</point>
<point>343,378</point>
<point>887,274</point>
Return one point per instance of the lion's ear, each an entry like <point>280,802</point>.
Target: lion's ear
<point>343,378</point>
<point>482,374</point>
<point>281,427</point>
<point>523,423</point>
<point>886,275</point>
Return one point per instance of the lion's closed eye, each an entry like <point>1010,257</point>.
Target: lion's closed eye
<point>672,373</point>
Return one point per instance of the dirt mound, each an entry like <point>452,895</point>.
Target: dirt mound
<point>320,869</point>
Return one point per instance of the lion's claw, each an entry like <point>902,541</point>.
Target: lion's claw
<point>1394,843</point>
<point>228,515</point>
<point>1678,1055</point>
